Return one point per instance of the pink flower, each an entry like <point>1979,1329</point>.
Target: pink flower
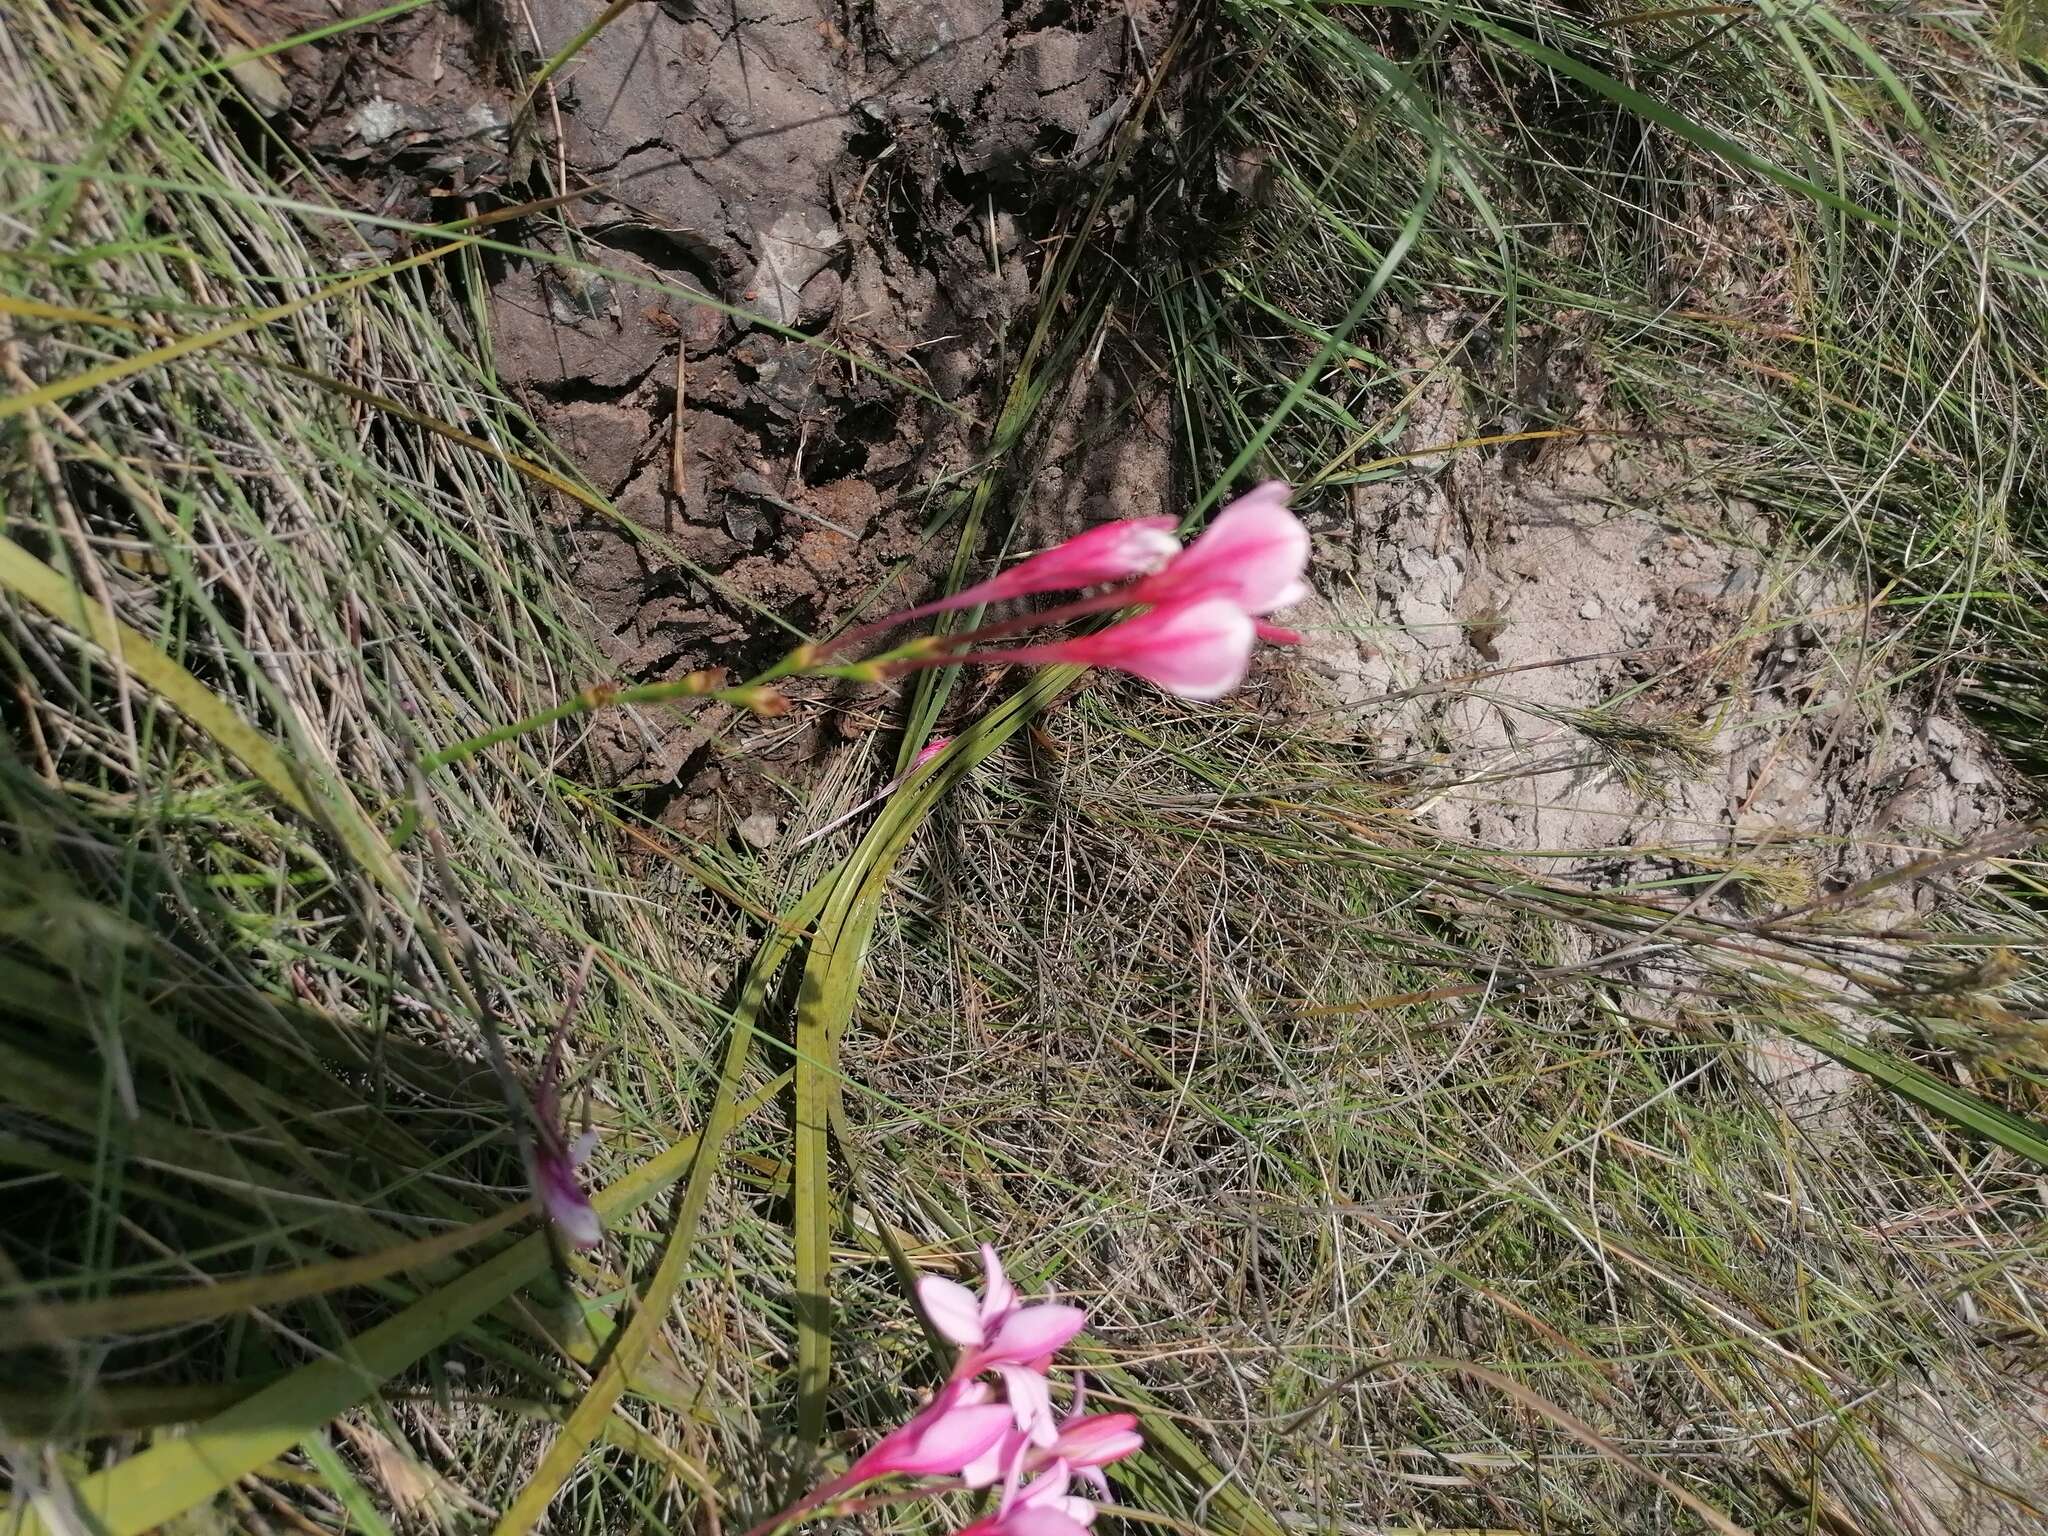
<point>952,1431</point>
<point>553,1159</point>
<point>560,1190</point>
<point>1085,1442</point>
<point>996,1333</point>
<point>1199,647</point>
<point>1110,552</point>
<point>1253,552</point>
<point>1045,1508</point>
<point>963,1428</point>
<point>958,1313</point>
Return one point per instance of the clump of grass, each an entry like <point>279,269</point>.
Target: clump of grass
<point>1646,753</point>
<point>1423,1189</point>
<point>1704,226</point>
<point>242,1045</point>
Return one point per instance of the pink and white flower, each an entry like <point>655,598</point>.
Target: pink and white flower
<point>964,1433</point>
<point>1085,1442</point>
<point>1107,553</point>
<point>955,1430</point>
<point>553,1158</point>
<point>997,1333</point>
<point>1254,553</point>
<point>1044,1508</point>
<point>1196,647</point>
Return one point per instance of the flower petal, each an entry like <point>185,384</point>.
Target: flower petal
<point>1253,552</point>
<point>995,1463</point>
<point>1041,1522</point>
<point>1109,552</point>
<point>1043,1490</point>
<point>561,1196</point>
<point>952,1440</point>
<point>1197,648</point>
<point>1099,1439</point>
<point>1030,1403</point>
<point>998,1296</point>
<point>1049,1493</point>
<point>1030,1333</point>
<point>579,1224</point>
<point>953,1309</point>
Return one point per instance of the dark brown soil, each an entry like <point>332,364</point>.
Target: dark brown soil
<point>882,176</point>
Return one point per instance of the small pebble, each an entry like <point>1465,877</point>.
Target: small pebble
<point>1689,557</point>
<point>1591,609</point>
<point>759,830</point>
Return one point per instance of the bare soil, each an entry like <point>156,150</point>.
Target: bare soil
<point>1593,656</point>
<point>881,177</point>
<point>1587,657</point>
<point>1601,660</point>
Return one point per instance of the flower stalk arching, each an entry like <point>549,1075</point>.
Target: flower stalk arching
<point>1252,556</point>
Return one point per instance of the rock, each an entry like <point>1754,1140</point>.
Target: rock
<point>1592,608</point>
<point>791,251</point>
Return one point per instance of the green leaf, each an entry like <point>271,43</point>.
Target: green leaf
<point>1958,1106</point>
<point>135,654</point>
<point>831,986</point>
<point>362,1510</point>
<point>152,1310</point>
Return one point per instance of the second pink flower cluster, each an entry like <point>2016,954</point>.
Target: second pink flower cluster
<point>984,1440</point>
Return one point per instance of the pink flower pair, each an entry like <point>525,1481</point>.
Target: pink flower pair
<point>997,1333</point>
<point>1208,603</point>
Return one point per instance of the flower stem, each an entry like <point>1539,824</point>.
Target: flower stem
<point>1080,608</point>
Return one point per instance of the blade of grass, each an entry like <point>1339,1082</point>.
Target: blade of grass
<point>1645,106</point>
<point>194,1303</point>
<point>128,367</point>
<point>1958,1106</point>
<point>29,578</point>
<point>362,1510</point>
